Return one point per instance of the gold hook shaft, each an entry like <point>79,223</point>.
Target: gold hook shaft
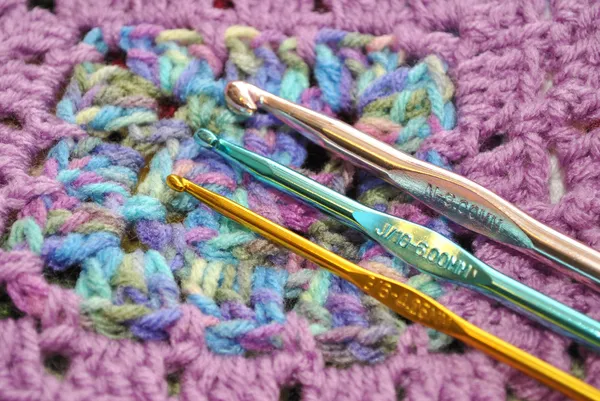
<point>403,299</point>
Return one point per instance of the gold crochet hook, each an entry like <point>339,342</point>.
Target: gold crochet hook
<point>401,298</point>
<point>458,198</point>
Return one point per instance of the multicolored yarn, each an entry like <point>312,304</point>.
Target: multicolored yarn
<point>115,229</point>
<point>112,285</point>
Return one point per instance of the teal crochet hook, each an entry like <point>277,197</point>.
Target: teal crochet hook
<point>418,246</point>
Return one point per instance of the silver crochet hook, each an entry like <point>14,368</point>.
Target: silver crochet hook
<point>456,197</point>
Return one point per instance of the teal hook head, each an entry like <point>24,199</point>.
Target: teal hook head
<point>205,138</point>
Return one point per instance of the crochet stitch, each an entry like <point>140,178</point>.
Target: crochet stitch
<point>115,286</point>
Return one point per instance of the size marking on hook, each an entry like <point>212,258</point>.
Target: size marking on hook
<point>470,210</point>
<point>413,305</point>
<point>449,262</point>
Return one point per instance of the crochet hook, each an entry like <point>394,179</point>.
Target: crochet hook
<point>401,298</point>
<point>418,246</point>
<point>461,200</point>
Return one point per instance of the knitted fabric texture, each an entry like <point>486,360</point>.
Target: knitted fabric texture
<point>114,286</point>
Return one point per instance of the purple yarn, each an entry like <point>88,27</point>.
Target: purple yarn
<point>129,293</point>
<point>265,296</point>
<point>186,76</point>
<point>236,310</point>
<point>262,120</point>
<point>88,98</point>
<point>154,234</point>
<point>383,87</point>
<point>166,129</point>
<point>120,155</point>
<point>330,35</point>
<point>231,72</point>
<point>154,325</point>
<point>346,90</point>
<point>346,312</point>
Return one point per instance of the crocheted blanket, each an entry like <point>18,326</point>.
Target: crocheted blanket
<point>114,287</point>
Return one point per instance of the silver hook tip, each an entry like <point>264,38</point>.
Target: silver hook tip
<point>239,98</point>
